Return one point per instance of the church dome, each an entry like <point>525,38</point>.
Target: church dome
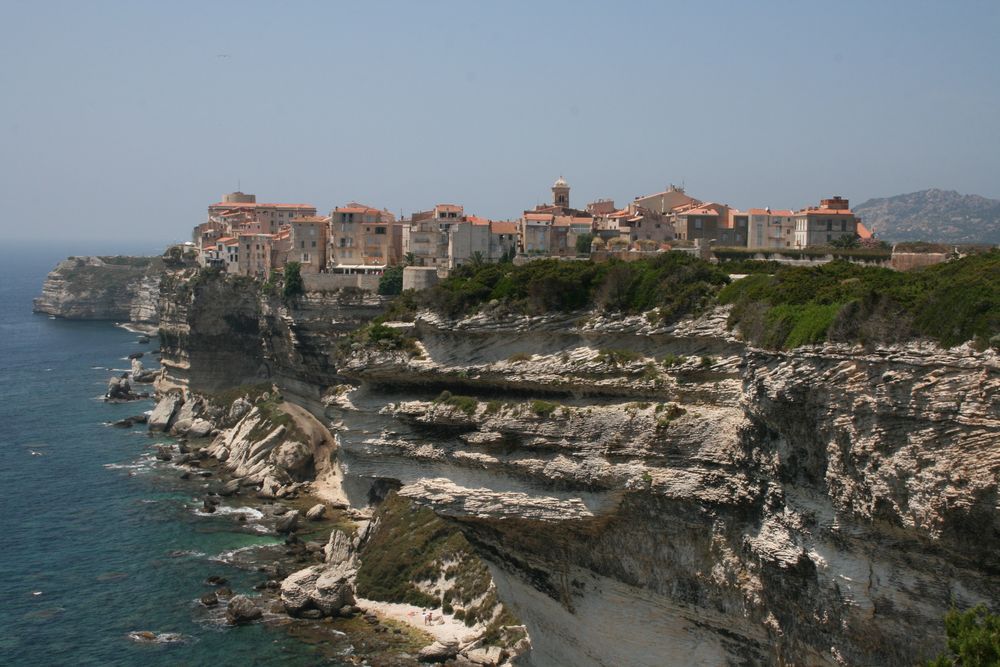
<point>560,183</point>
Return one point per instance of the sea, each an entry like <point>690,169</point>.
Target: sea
<point>98,540</point>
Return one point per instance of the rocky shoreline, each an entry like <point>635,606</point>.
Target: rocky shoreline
<point>669,486</point>
<point>265,469</point>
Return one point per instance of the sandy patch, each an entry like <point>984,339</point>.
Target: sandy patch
<point>443,627</point>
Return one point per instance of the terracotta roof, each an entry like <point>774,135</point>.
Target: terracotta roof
<point>476,220</point>
<point>503,227</point>
<point>355,209</point>
<point>538,217</point>
<point>825,211</point>
<point>701,210</point>
<point>863,231</point>
<point>310,218</point>
<point>226,240</point>
<point>223,204</point>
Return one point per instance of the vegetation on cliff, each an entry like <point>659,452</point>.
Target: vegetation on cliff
<point>950,303</point>
<point>409,554</point>
<point>973,639</point>
<point>674,283</point>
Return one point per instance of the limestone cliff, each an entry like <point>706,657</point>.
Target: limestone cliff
<point>124,289</point>
<point>653,495</point>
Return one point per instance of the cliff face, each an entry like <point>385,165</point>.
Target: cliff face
<point>125,289</point>
<point>658,495</point>
<point>218,332</point>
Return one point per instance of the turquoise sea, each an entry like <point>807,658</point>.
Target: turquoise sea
<point>98,539</point>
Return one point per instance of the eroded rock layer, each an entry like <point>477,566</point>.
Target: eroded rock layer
<point>124,289</point>
<point>651,495</point>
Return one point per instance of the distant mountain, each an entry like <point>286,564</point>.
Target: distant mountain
<point>933,215</point>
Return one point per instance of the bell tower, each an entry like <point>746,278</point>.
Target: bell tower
<point>560,193</point>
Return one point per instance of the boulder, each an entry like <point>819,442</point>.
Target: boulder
<point>119,390</point>
<point>210,599</point>
<point>326,588</point>
<point>242,610</point>
<point>438,652</point>
<point>287,523</point>
<point>295,457</point>
<point>200,428</point>
<point>180,426</point>
<point>316,512</point>
<point>164,453</point>
<point>230,488</point>
<point>489,656</point>
<point>239,408</point>
<point>163,413</point>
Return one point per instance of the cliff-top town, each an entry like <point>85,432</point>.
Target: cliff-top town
<point>355,243</point>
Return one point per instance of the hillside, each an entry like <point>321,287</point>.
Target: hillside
<point>933,215</point>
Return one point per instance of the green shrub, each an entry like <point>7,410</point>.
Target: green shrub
<point>973,639</point>
<point>293,280</point>
<point>617,357</point>
<point>466,404</point>
<point>951,303</point>
<point>670,360</point>
<point>543,408</point>
<point>391,282</point>
<point>676,283</point>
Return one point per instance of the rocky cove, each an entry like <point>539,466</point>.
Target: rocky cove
<point>593,489</point>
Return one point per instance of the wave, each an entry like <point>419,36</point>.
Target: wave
<point>150,637</point>
<point>225,510</point>
<point>228,557</point>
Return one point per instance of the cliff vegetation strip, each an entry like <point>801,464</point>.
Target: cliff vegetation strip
<point>950,303</point>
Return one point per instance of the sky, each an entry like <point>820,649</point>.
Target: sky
<point>124,120</point>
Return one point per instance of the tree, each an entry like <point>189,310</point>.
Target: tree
<point>973,639</point>
<point>391,282</point>
<point>293,280</point>
<point>846,241</point>
<point>409,259</point>
<point>583,242</point>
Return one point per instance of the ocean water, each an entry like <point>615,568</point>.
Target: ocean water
<point>98,539</point>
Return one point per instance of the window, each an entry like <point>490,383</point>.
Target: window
<point>843,225</point>
<point>303,244</point>
<point>829,225</point>
<point>314,244</point>
<point>380,230</point>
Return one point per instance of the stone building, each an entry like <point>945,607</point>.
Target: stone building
<point>823,224</point>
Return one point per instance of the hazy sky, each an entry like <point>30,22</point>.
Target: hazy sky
<point>123,120</point>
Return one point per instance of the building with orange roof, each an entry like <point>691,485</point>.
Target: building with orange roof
<point>362,235</point>
<point>481,240</point>
<point>308,236</point>
<point>700,221</point>
<point>826,223</point>
<point>426,236</point>
<point>269,216</point>
<point>665,202</point>
<point>769,228</point>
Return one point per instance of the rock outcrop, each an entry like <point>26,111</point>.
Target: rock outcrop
<point>665,486</point>
<point>123,289</point>
<point>328,587</point>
